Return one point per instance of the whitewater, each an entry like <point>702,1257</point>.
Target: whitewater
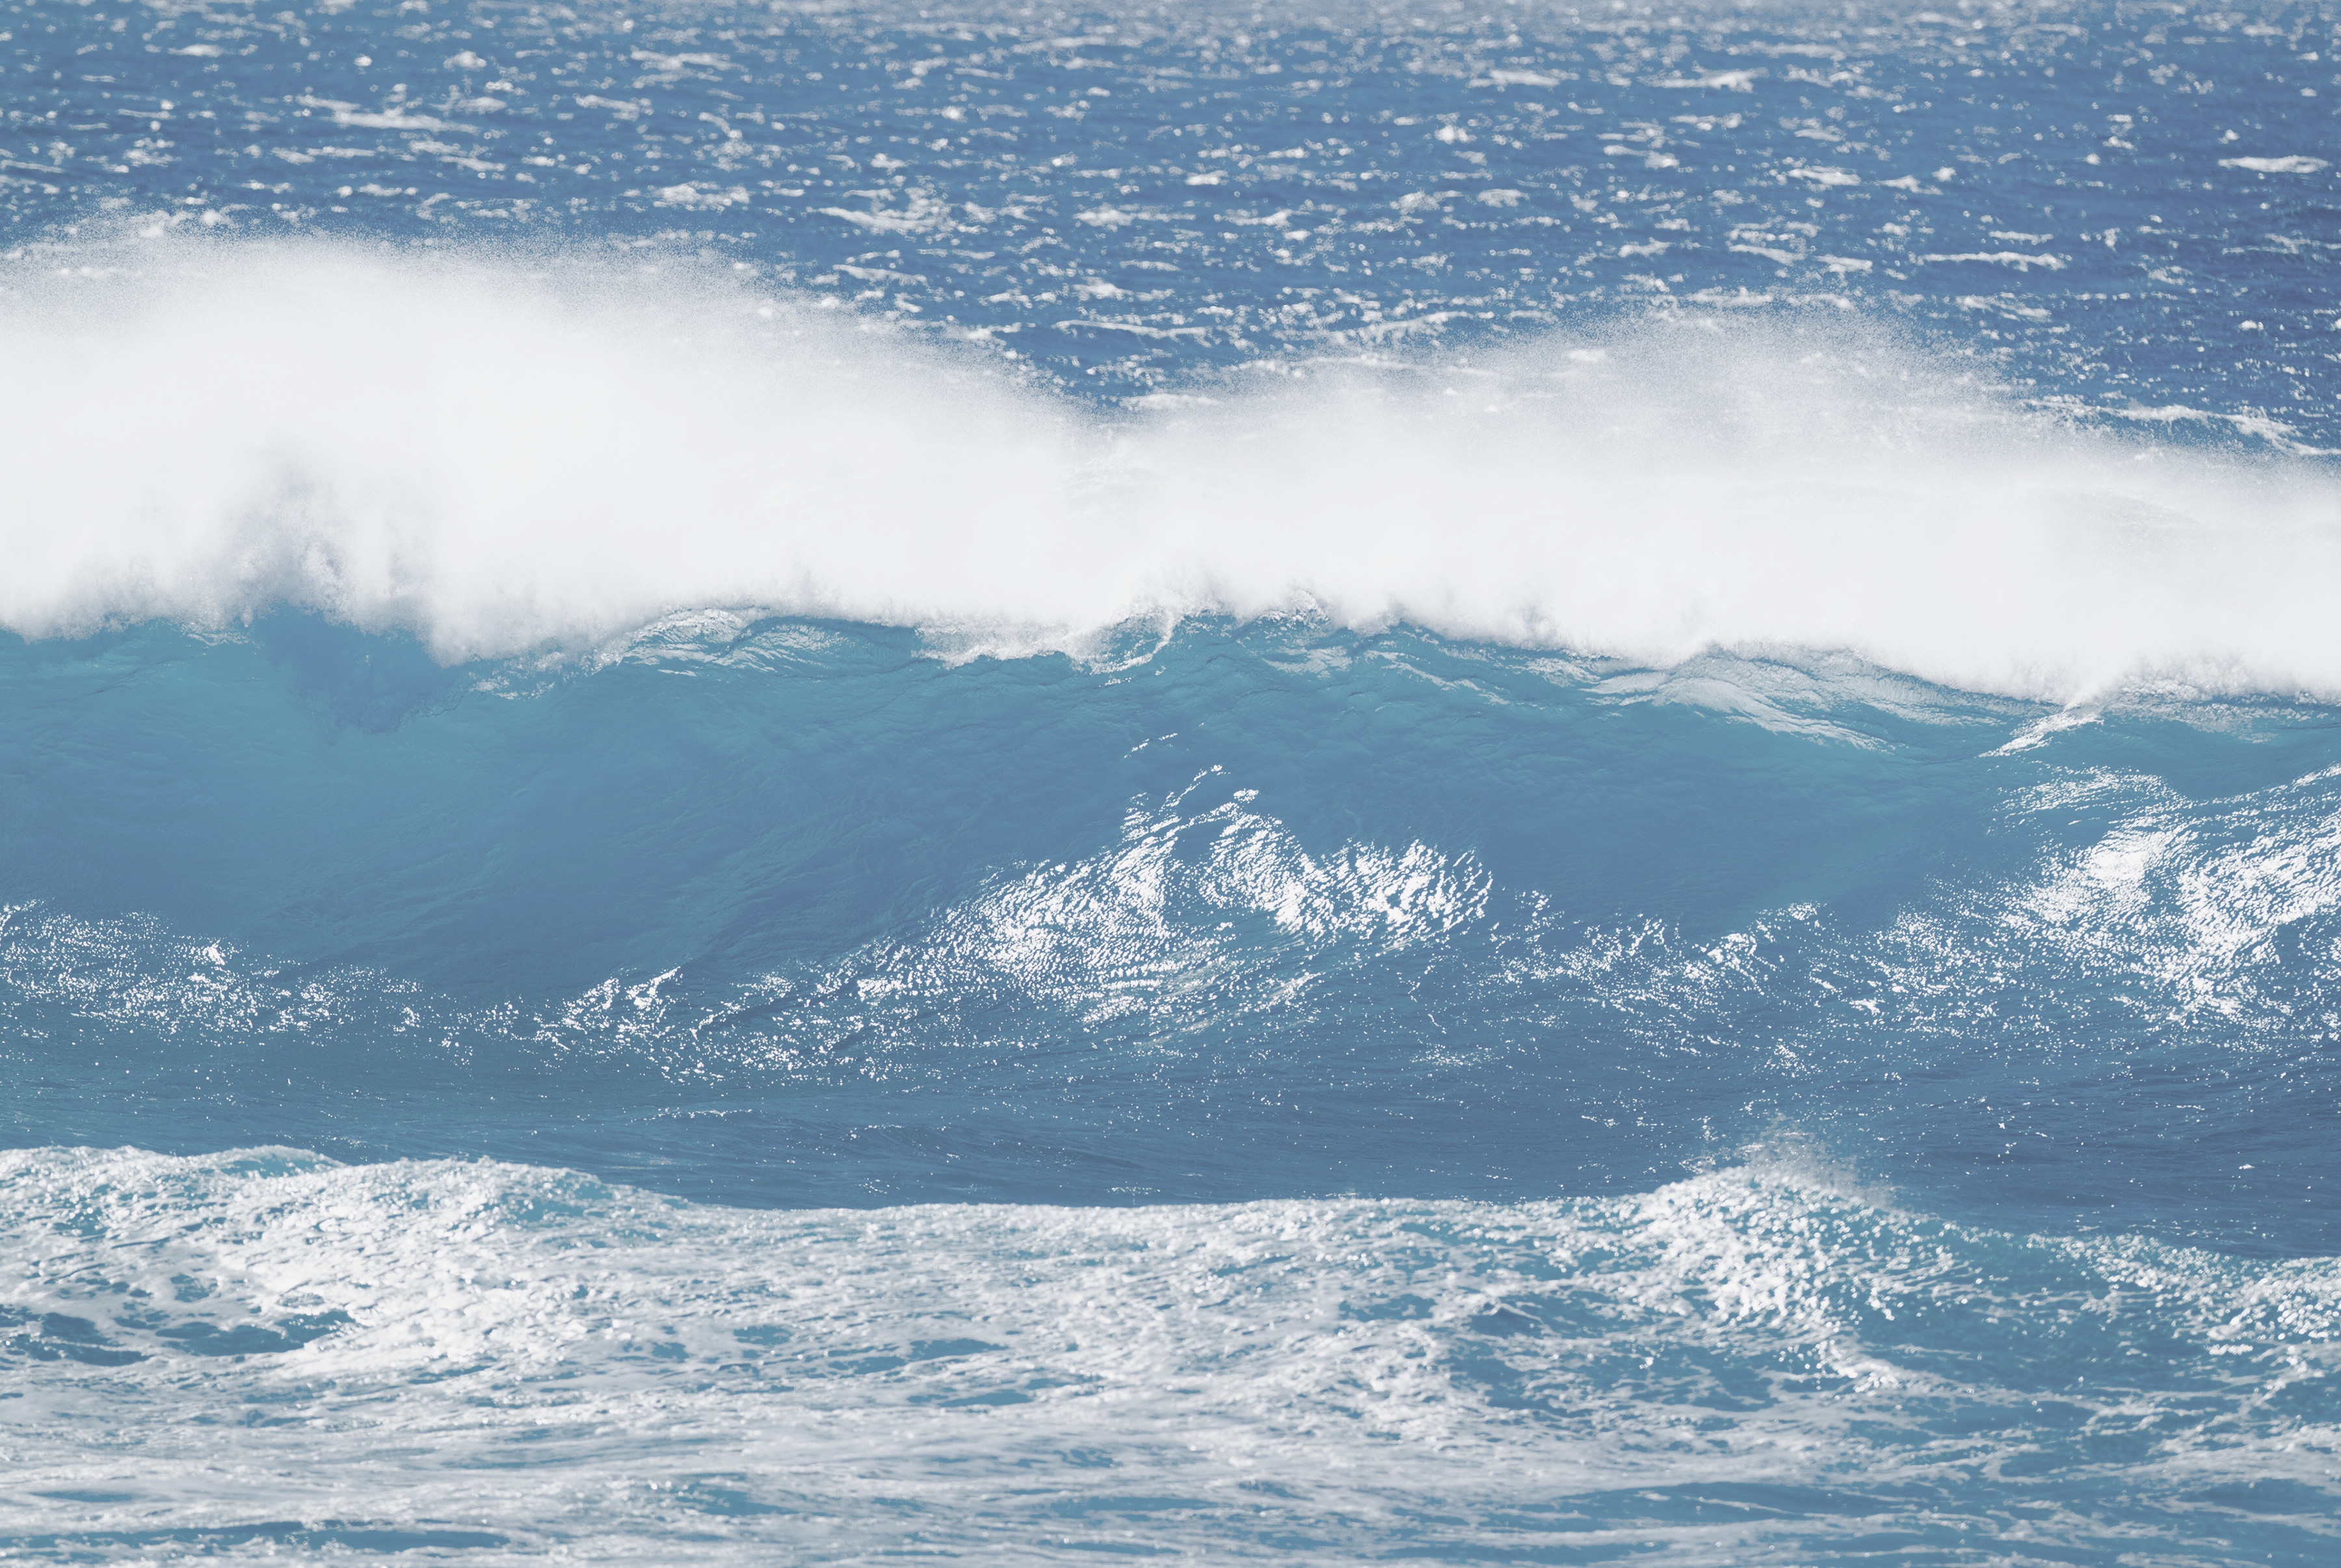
<point>821,783</point>
<point>501,460</point>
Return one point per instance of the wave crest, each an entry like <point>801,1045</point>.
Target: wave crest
<point>503,456</point>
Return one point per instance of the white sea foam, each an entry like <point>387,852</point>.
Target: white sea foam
<point>505,1363</point>
<point>503,456</point>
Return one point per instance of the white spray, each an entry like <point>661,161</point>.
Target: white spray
<point>500,458</point>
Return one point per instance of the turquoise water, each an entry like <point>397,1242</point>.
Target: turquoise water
<point>820,785</point>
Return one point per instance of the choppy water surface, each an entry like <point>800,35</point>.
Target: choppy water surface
<point>820,784</point>
<point>2127,210</point>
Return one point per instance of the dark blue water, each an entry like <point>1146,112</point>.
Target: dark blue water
<point>2073,195</point>
<point>812,785</point>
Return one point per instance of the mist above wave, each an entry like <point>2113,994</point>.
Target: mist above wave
<point>507,454</point>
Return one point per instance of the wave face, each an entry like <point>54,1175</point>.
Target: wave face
<point>802,911</point>
<point>825,784</point>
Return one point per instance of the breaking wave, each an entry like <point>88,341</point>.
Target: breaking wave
<point>515,454</point>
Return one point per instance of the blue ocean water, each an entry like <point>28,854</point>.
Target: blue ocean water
<point>838,782</point>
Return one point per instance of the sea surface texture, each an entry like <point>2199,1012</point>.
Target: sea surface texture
<point>1492,784</point>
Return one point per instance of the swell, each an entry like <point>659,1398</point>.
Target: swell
<point>536,454</point>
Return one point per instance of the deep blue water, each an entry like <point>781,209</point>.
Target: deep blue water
<point>1127,198</point>
<point>815,784</point>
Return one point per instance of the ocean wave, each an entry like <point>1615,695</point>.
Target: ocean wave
<point>863,782</point>
<point>518,455</point>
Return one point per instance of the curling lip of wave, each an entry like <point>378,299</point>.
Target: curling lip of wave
<point>501,464</point>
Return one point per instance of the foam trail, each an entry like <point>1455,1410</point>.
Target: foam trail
<point>501,458</point>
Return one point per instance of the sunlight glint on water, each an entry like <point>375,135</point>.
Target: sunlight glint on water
<point>815,785</point>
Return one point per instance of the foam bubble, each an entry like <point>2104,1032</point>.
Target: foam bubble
<point>503,456</point>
